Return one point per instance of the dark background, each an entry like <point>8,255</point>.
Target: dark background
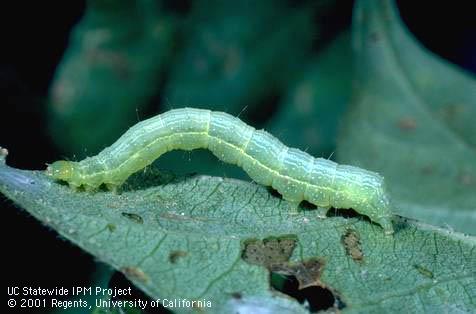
<point>37,35</point>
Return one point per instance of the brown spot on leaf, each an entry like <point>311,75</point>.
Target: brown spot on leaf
<point>466,179</point>
<point>452,112</point>
<point>351,242</point>
<point>274,253</point>
<point>307,273</point>
<point>424,271</point>
<point>269,251</point>
<point>374,37</point>
<point>111,227</point>
<point>133,217</point>
<point>236,295</point>
<point>427,170</point>
<point>174,256</point>
<point>135,273</point>
<point>407,124</point>
<point>200,305</point>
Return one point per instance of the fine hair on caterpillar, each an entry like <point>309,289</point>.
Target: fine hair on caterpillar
<point>296,175</point>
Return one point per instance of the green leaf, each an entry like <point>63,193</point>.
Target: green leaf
<point>412,120</point>
<point>214,239</point>
<point>317,101</point>
<point>238,53</point>
<point>109,73</point>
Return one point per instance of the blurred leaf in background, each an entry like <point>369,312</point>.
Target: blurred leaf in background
<point>109,73</point>
<point>310,113</point>
<point>238,53</point>
<point>413,120</point>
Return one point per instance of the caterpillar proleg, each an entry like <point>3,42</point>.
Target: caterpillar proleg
<point>296,175</point>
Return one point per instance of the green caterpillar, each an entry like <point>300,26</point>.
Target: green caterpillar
<point>295,174</point>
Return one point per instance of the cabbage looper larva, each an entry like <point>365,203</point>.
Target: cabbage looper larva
<point>295,174</point>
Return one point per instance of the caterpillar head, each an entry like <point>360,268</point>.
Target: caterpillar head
<point>365,192</point>
<point>61,170</point>
<point>382,209</point>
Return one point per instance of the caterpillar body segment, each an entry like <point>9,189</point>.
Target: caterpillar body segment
<point>296,175</point>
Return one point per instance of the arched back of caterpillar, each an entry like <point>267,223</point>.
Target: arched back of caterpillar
<point>295,174</point>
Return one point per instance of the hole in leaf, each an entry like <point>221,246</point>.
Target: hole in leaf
<point>273,192</point>
<point>317,298</point>
<point>346,213</point>
<point>305,205</point>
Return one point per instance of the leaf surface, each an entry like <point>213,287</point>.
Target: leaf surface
<point>218,239</point>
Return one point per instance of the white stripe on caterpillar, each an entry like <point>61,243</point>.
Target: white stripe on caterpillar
<point>295,174</point>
